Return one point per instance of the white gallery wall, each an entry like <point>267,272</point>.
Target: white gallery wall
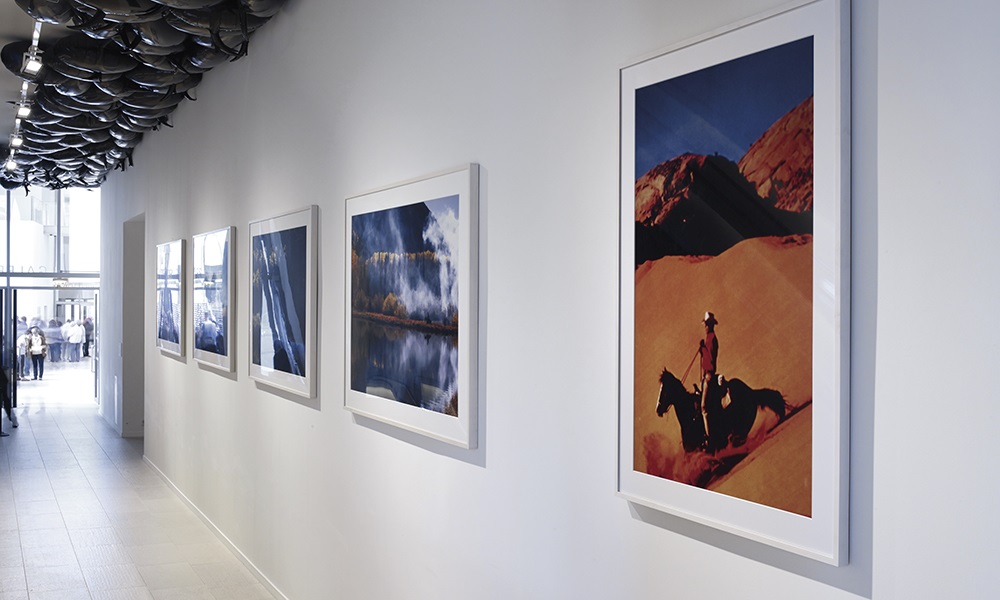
<point>338,98</point>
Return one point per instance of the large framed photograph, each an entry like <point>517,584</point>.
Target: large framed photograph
<point>170,297</point>
<point>735,263</point>
<point>412,305</point>
<point>212,275</point>
<point>283,301</point>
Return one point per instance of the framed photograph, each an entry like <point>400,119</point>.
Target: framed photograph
<point>213,275</point>
<point>283,301</point>
<point>735,273</point>
<point>412,305</point>
<point>170,297</point>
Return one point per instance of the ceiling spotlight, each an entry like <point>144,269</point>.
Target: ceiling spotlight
<point>32,62</point>
<point>23,109</point>
<point>16,140</point>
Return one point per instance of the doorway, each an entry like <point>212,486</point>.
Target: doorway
<point>52,345</point>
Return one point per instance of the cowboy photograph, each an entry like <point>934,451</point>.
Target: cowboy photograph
<point>724,278</point>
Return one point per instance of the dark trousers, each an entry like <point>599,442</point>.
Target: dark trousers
<point>37,366</point>
<point>5,394</point>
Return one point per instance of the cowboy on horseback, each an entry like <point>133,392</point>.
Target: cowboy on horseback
<point>708,349</point>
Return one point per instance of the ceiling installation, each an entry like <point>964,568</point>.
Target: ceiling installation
<point>88,98</point>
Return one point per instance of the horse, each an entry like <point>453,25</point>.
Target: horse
<point>727,425</point>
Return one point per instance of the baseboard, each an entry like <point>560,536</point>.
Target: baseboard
<point>218,533</point>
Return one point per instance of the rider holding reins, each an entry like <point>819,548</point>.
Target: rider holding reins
<point>709,350</point>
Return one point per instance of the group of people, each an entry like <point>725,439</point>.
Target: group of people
<point>55,340</point>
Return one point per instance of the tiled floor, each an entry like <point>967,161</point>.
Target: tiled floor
<point>82,516</point>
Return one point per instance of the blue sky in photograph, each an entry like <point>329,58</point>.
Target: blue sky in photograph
<point>723,108</point>
<point>442,206</point>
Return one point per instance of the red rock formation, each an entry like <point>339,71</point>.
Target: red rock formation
<point>780,163</point>
<point>701,205</point>
<point>662,187</point>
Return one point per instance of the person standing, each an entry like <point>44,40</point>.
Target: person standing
<point>709,350</point>
<point>88,328</point>
<point>53,335</point>
<point>75,335</point>
<point>22,353</point>
<point>37,348</point>
<point>5,392</point>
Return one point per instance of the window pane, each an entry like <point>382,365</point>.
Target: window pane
<point>54,307</point>
<point>33,230</point>
<point>81,230</point>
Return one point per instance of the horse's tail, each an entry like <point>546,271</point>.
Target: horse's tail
<point>773,399</point>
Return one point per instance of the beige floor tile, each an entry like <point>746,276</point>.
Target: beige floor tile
<point>101,536</point>
<point>77,594</point>
<point>53,579</point>
<point>89,519</point>
<point>112,577</point>
<point>40,521</point>
<point>254,591</point>
<point>42,507</point>
<point>100,556</point>
<point>127,594</point>
<point>157,554</point>
<point>177,575</point>
<point>195,593</point>
<point>55,555</point>
<point>12,579</point>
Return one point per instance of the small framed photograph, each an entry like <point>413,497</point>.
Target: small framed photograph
<point>170,297</point>
<point>212,310</point>
<point>735,275</point>
<point>283,300</point>
<point>412,305</point>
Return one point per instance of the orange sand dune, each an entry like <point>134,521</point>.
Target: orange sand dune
<point>761,293</point>
<point>777,472</point>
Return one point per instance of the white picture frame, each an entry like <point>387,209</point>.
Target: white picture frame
<point>283,298</point>
<point>170,294</point>
<point>430,387</point>
<point>213,304</point>
<point>676,97</point>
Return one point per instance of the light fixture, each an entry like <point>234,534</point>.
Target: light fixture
<point>32,62</point>
<point>23,108</point>
<point>11,165</point>
<point>16,140</point>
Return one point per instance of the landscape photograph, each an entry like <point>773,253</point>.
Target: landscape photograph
<point>723,259</point>
<point>404,304</point>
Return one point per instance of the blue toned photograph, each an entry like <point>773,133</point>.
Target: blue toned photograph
<point>278,300</point>
<point>404,304</point>
<point>211,292</point>
<point>169,258</point>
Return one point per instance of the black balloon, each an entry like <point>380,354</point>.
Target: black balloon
<point>56,12</point>
<point>123,70</point>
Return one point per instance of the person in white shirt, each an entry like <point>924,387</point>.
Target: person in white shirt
<point>22,352</point>
<point>74,338</point>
